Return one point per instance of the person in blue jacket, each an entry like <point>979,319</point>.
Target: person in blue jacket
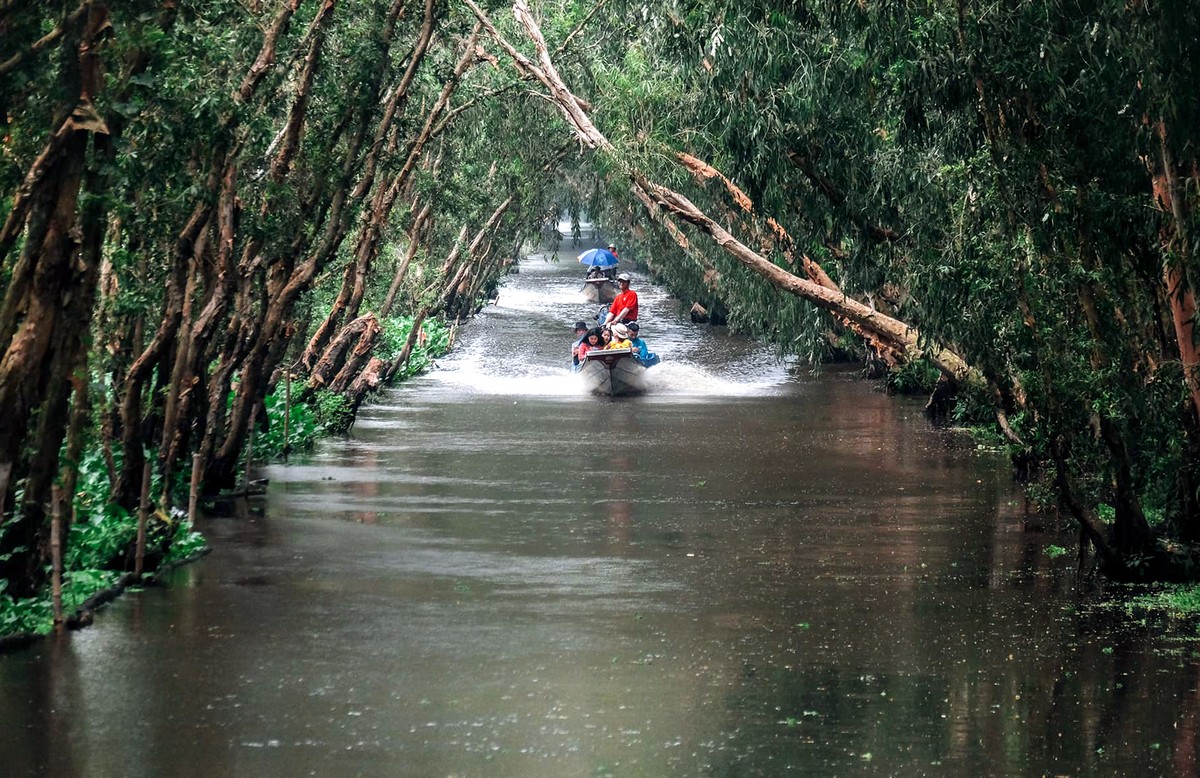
<point>640,349</point>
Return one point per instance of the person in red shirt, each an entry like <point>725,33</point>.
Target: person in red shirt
<point>624,306</point>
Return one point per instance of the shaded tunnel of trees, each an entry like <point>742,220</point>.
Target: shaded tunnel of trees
<point>209,206</point>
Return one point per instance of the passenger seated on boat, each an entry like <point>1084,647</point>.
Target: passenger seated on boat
<point>611,273</point>
<point>620,337</point>
<point>640,350</point>
<point>581,329</point>
<point>592,340</point>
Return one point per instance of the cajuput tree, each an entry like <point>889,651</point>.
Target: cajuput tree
<point>1020,189</point>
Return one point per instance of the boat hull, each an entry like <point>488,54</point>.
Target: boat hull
<point>613,372</point>
<point>599,290</point>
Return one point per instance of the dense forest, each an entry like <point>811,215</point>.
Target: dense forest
<point>226,223</point>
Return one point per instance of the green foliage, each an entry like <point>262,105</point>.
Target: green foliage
<point>303,427</point>
<point>185,543</point>
<point>332,411</point>
<point>31,614</point>
<point>97,549</point>
<point>916,377</point>
<point>100,538</point>
<point>36,614</point>
<point>395,334</point>
<point>985,177</point>
<point>1177,600</point>
<point>1054,552</point>
<point>79,585</point>
<point>1013,161</point>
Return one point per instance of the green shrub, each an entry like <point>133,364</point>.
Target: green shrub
<point>34,614</point>
<point>1181,600</point>
<point>332,411</point>
<point>916,377</point>
<point>303,426</point>
<point>99,537</point>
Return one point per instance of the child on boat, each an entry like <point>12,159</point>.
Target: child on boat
<point>640,350</point>
<point>620,337</point>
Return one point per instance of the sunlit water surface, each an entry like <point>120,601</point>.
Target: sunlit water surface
<point>751,570</point>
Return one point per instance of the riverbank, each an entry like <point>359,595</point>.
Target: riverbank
<point>99,547</point>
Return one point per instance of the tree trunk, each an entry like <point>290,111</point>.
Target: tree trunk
<point>367,381</point>
<point>358,356</point>
<point>338,353</point>
<point>902,338</point>
<point>1178,256</point>
<point>414,242</point>
<point>284,289</point>
<point>47,308</point>
<point>375,218</point>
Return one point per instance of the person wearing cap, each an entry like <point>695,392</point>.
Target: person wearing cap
<point>640,350</point>
<point>620,336</point>
<point>624,307</point>
<point>581,329</point>
<point>610,272</point>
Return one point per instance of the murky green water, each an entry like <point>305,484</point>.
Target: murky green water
<point>750,571</point>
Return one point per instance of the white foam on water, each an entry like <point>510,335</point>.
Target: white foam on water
<point>520,346</point>
<point>688,380</point>
<point>541,383</point>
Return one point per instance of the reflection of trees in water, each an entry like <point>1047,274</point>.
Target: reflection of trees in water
<point>366,459</point>
<point>620,507</point>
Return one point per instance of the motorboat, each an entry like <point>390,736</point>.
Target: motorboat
<point>614,372</point>
<point>599,290</point>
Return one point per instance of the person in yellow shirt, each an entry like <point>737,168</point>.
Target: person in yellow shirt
<point>620,337</point>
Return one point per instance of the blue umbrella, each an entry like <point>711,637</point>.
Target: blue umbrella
<point>601,258</point>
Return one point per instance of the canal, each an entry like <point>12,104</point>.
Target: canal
<point>753,569</point>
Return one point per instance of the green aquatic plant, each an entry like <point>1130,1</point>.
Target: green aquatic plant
<point>27,614</point>
<point>1179,600</point>
<point>303,426</point>
<point>332,412</point>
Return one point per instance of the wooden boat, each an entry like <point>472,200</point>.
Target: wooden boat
<point>613,372</point>
<point>599,290</point>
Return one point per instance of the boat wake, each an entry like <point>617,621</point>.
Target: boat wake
<point>669,379</point>
<point>681,379</point>
<point>547,382</point>
<point>519,346</point>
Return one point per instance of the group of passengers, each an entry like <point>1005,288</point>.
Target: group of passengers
<point>618,328</point>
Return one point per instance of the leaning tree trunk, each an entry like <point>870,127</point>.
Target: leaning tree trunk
<point>414,242</point>
<point>343,350</point>
<point>167,342</point>
<point>284,288</point>
<point>47,305</point>
<point>375,219</point>
<point>1171,200</point>
<point>903,338</point>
